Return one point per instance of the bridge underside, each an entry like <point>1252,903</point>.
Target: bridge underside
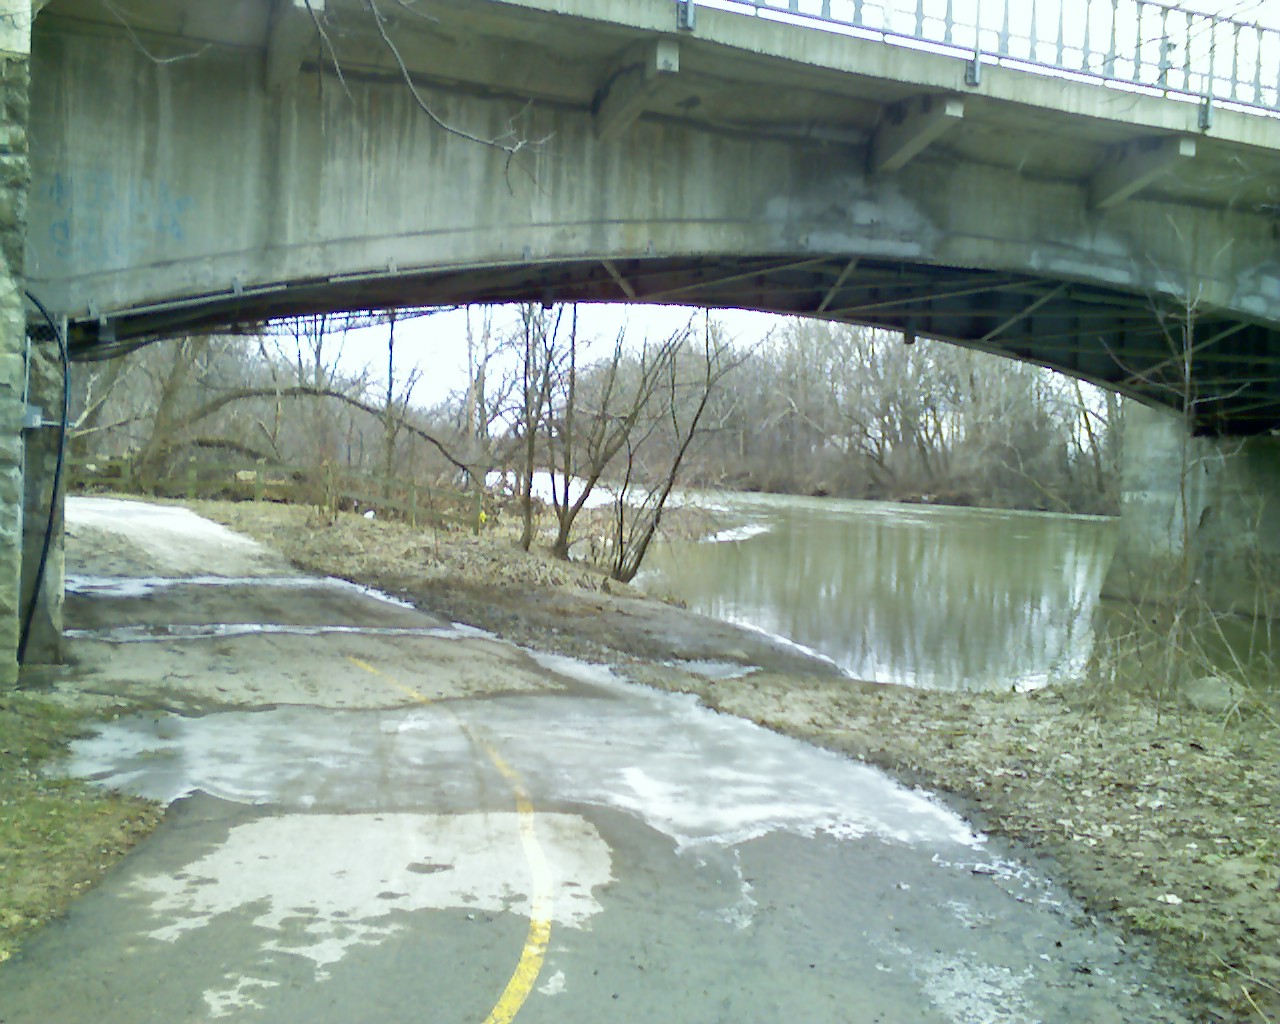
<point>200,165</point>
<point>1137,345</point>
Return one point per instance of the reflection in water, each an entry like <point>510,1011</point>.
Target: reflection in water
<point>936,597</point>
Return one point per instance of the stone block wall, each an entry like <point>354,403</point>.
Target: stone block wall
<point>14,180</point>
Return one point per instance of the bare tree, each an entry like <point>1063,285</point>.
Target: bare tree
<point>688,388</point>
<point>543,353</point>
<point>594,415</point>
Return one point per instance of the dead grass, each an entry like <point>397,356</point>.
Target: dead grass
<point>393,552</point>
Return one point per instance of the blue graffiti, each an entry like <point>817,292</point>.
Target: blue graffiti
<point>97,217</point>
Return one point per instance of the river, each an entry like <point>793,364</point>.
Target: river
<point>935,596</point>
<point>930,596</point>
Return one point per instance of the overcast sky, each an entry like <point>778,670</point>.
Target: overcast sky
<point>437,344</point>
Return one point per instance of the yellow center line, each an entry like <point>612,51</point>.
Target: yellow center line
<point>541,898</point>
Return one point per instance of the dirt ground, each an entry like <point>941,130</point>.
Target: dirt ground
<point>1165,820</point>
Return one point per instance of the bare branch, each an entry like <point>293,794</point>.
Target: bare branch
<point>119,16</point>
<point>500,143</point>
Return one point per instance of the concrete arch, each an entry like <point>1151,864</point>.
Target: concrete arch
<point>173,196</point>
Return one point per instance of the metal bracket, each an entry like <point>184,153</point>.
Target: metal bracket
<point>1206,114</point>
<point>973,72</point>
<point>32,417</point>
<point>686,15</point>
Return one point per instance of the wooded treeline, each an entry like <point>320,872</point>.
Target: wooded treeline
<point>824,408</point>
<point>814,408</point>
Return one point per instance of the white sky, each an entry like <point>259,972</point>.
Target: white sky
<point>437,344</point>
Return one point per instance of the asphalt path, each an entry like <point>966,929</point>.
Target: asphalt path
<point>583,850</point>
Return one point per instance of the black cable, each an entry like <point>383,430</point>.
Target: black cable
<point>57,478</point>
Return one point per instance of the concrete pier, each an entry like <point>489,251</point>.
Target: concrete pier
<point>1200,517</point>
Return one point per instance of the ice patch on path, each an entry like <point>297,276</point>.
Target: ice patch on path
<point>554,985</point>
<point>718,670</point>
<point>966,989</point>
<point>321,885</point>
<point>144,586</point>
<point>699,776</point>
<point>178,541</point>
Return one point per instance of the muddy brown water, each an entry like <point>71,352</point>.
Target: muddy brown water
<point>927,596</point>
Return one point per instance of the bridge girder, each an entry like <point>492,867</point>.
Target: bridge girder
<point>745,164</point>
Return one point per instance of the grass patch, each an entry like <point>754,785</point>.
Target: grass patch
<point>57,836</point>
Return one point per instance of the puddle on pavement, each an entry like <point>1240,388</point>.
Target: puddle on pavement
<point>146,586</point>
<point>409,810</point>
<point>218,630</point>
<point>148,609</point>
<point>690,773</point>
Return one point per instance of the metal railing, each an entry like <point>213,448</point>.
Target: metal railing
<point>1148,44</point>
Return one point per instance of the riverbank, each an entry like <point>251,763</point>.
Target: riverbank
<point>1163,819</point>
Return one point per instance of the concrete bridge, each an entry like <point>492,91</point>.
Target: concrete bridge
<point>1096,194</point>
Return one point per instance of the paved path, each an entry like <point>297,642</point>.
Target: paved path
<point>580,850</point>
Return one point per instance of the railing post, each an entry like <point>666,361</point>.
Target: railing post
<point>686,15</point>
<point>1137,46</point>
<point>1235,60</point>
<point>1206,111</point>
<point>1166,47</point>
<point>1257,69</point>
<point>1086,46</point>
<point>1186,53</point>
<point>1062,37</point>
<point>973,76</point>
<point>1109,68</point>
